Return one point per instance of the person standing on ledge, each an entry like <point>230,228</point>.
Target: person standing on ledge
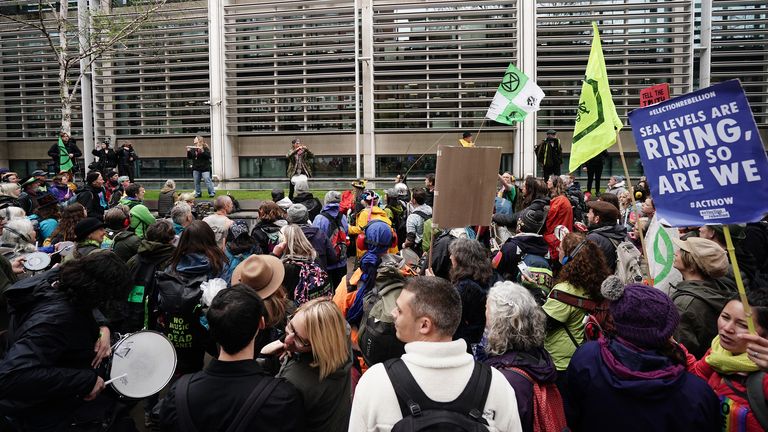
<point>299,162</point>
<point>467,140</point>
<point>64,154</point>
<point>200,154</point>
<point>550,154</point>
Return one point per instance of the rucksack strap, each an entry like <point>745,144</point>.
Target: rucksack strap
<point>422,215</point>
<point>241,422</point>
<point>573,300</point>
<point>756,397</point>
<point>253,404</point>
<point>413,401</point>
<point>183,418</point>
<point>335,222</point>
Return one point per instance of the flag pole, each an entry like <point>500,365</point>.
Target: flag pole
<point>634,207</point>
<point>423,154</point>
<point>477,135</point>
<point>739,281</point>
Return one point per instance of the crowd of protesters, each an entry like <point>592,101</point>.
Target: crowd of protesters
<point>352,311</point>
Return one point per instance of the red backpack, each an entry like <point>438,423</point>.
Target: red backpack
<point>336,234</point>
<point>548,411</point>
<point>347,201</point>
<point>597,316</point>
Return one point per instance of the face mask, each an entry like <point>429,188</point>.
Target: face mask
<point>39,189</point>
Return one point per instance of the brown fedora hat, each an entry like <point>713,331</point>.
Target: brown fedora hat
<point>263,273</point>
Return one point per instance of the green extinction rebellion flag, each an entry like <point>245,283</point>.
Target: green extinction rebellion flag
<point>516,97</point>
<point>65,162</point>
<point>597,122</point>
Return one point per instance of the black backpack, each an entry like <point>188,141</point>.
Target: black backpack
<point>377,335</point>
<point>420,413</point>
<point>178,311</point>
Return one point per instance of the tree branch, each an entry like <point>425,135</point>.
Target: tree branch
<point>127,30</point>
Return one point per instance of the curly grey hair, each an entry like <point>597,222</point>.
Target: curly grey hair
<point>515,320</point>
<point>19,233</point>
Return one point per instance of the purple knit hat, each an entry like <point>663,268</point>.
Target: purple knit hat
<point>642,315</point>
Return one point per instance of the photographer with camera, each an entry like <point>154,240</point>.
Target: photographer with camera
<point>106,158</point>
<point>550,154</point>
<point>200,154</point>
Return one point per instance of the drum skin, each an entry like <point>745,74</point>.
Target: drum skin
<point>149,360</point>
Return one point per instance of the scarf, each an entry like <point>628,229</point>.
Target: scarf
<point>725,362</point>
<point>369,264</point>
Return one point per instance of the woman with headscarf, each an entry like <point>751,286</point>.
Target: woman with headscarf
<point>560,214</point>
<point>370,212</point>
<point>351,291</point>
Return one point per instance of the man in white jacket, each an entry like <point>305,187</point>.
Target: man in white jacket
<point>427,314</point>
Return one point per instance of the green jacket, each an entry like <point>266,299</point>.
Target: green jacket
<point>141,218</point>
<point>699,304</point>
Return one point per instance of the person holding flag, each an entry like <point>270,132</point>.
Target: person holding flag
<point>597,122</point>
<point>64,154</point>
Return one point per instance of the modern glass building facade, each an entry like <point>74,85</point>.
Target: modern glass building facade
<point>260,73</point>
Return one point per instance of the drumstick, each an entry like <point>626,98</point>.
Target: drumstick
<point>65,248</point>
<point>116,378</point>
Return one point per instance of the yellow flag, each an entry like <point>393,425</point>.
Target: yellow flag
<point>597,122</point>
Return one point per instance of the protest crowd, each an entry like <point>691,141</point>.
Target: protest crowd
<point>352,311</point>
<point>360,310</point>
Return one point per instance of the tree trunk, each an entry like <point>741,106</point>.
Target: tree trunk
<point>64,93</point>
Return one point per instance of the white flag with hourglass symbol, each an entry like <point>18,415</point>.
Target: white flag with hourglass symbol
<point>516,97</point>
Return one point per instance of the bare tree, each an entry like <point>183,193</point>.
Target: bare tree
<point>71,43</point>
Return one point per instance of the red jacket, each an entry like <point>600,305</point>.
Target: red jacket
<point>734,407</point>
<point>560,213</point>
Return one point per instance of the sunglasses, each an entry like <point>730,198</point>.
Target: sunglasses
<point>300,342</point>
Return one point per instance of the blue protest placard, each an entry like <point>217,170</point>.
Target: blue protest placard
<point>703,157</point>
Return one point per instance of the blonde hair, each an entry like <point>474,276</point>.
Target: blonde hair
<point>187,196</point>
<point>6,189</point>
<point>296,243</point>
<point>168,186</point>
<point>327,334</point>
<point>202,141</point>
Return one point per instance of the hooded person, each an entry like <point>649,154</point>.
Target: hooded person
<point>636,379</point>
<point>278,196</point>
<point>701,295</point>
<point>328,221</point>
<point>141,218</point>
<point>304,196</point>
<point>528,240</point>
<point>298,214</point>
<point>370,199</point>
<point>616,184</point>
<point>378,238</point>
